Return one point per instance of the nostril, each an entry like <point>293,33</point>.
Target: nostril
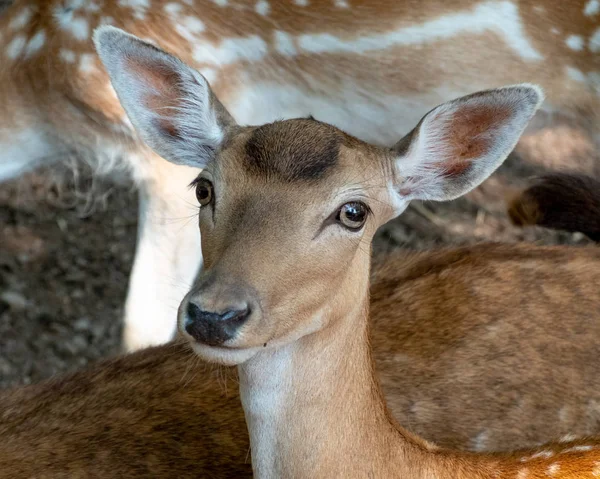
<point>194,313</point>
<point>236,316</point>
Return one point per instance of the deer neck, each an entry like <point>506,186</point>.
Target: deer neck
<point>314,407</point>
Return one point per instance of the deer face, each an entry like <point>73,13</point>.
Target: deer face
<point>288,212</point>
<point>288,209</point>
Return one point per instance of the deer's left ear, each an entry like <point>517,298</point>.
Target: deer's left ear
<point>458,144</point>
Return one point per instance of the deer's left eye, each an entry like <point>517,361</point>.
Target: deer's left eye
<point>353,215</point>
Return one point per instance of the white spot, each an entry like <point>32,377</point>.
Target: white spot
<point>189,27</point>
<point>173,9</point>
<point>21,19</point>
<point>523,473</point>
<point>193,24</point>
<point>591,8</point>
<point>144,4</point>
<point>500,17</point>
<point>595,41</point>
<point>262,7</point>
<point>36,42</point>
<point>92,7</point>
<point>575,42</point>
<point>577,449</point>
<point>65,11</point>
<point>210,74</point>
<point>553,469</point>
<point>575,74</point>
<point>301,3</point>
<point>544,454</point>
<point>15,47</point>
<point>139,7</point>
<point>479,442</point>
<point>570,437</point>
<point>341,4</point>
<point>86,63</point>
<point>78,27</point>
<point>539,9</point>
<point>252,48</point>
<point>221,3</point>
<point>555,30</point>
<point>284,44</point>
<point>67,55</point>
<point>107,21</point>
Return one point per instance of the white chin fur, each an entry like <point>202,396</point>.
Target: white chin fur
<point>224,356</point>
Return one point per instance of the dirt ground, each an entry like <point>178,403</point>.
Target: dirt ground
<point>63,274</point>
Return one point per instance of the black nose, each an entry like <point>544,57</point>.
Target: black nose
<point>213,328</point>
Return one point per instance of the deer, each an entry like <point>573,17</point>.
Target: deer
<point>370,68</point>
<point>310,197</point>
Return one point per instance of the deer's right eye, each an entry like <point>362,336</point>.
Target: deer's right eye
<point>204,192</point>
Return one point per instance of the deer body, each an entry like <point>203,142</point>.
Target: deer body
<point>359,65</point>
<point>496,384</point>
<point>342,428</point>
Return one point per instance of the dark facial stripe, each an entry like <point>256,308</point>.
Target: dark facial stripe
<point>293,150</point>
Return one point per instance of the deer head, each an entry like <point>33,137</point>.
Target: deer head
<point>288,209</point>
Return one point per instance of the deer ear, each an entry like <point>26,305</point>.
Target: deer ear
<point>170,105</point>
<point>458,144</point>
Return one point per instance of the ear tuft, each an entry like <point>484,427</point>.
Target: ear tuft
<point>459,144</point>
<point>170,104</point>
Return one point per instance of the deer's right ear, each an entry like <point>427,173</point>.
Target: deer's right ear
<point>170,104</point>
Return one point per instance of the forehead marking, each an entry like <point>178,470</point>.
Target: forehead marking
<point>293,150</point>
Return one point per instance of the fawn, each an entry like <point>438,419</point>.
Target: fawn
<point>372,68</point>
<point>309,198</point>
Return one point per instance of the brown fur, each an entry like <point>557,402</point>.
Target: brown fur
<point>156,413</point>
<point>456,356</point>
<point>562,201</point>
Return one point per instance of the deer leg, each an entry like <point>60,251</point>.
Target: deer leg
<point>167,256</point>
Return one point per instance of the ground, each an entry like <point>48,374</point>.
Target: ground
<point>64,269</point>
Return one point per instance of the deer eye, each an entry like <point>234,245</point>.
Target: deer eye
<point>204,192</point>
<point>353,215</point>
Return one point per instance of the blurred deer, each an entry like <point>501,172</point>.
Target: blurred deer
<point>370,68</point>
